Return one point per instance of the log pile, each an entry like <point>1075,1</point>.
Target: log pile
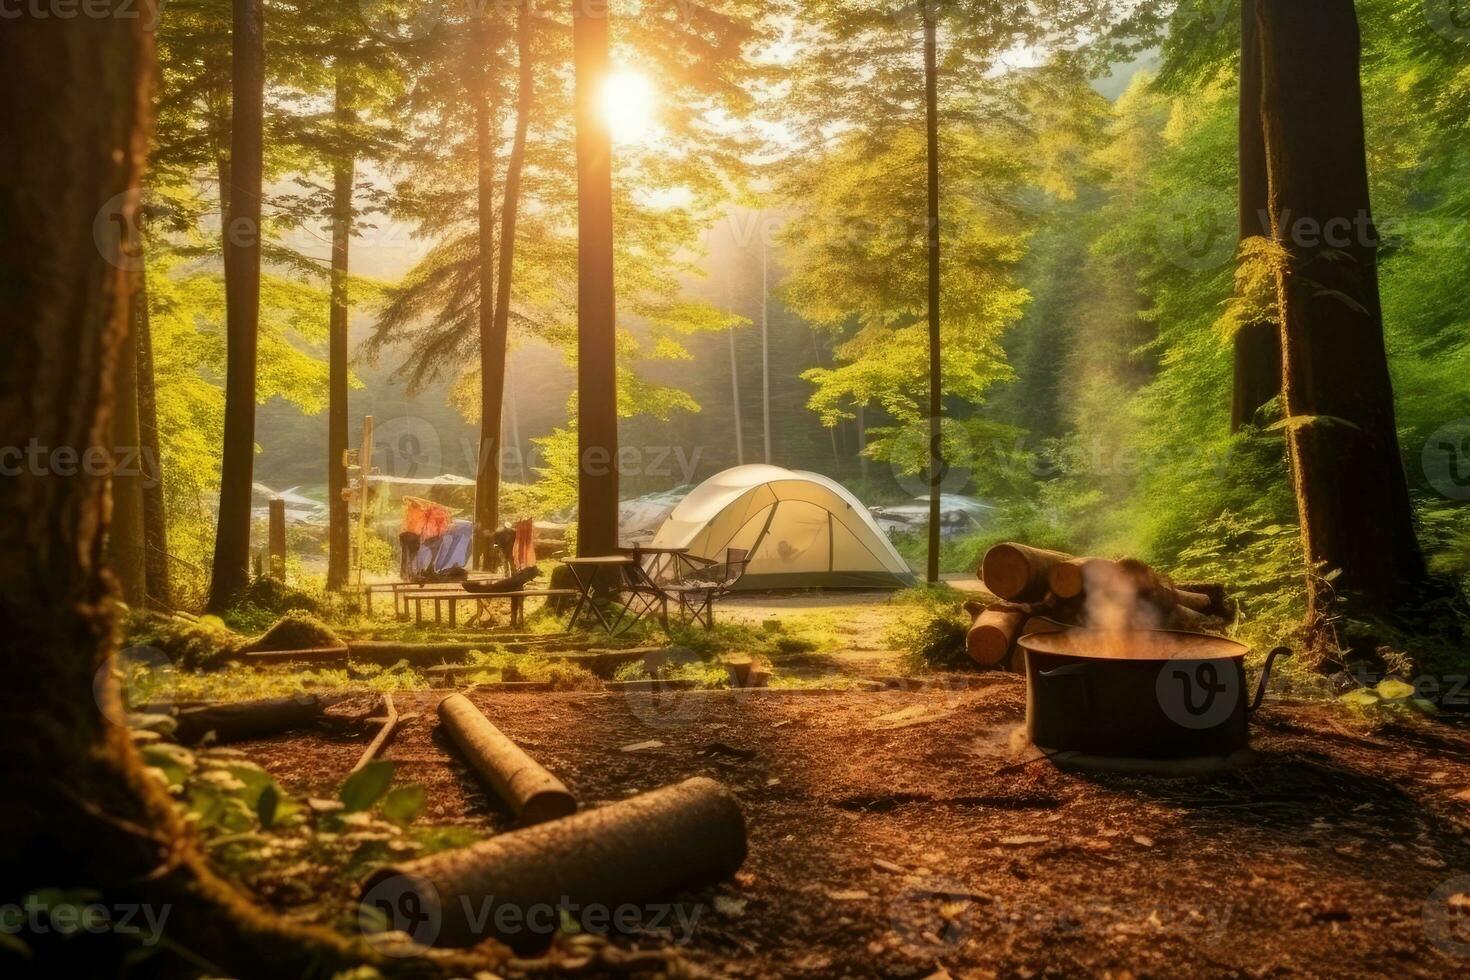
<point>1044,591</point>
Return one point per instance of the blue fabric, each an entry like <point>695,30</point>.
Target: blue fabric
<point>448,551</point>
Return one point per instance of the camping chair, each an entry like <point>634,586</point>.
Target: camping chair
<point>711,581</point>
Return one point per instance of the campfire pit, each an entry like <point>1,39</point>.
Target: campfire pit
<point>1146,694</point>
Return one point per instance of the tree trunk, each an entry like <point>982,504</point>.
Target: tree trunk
<point>1257,344</point>
<point>735,388</point>
<point>936,404</point>
<point>90,815</point>
<point>492,351</point>
<point>765,342</point>
<point>343,176</point>
<point>150,451</point>
<point>1352,495</point>
<point>242,305</point>
<point>597,380</point>
<point>500,326</point>
<point>125,539</point>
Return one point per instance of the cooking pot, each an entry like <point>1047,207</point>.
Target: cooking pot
<point>1149,694</point>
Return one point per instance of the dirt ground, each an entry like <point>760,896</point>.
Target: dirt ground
<point>899,834</point>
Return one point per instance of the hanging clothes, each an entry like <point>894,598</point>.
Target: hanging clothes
<point>525,546</point>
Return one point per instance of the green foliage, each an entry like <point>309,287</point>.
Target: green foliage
<point>490,666</point>
<point>366,786</point>
<point>188,644</point>
<point>930,630</point>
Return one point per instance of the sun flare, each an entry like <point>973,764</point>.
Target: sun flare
<point>628,107</point>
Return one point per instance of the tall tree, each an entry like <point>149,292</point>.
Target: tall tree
<point>150,455</point>
<point>1352,495</point>
<point>242,239</point>
<point>485,94</point>
<point>1257,342</point>
<point>91,814</point>
<point>126,540</point>
<point>343,176</point>
<point>597,381</point>
<point>509,210</point>
<point>936,376</point>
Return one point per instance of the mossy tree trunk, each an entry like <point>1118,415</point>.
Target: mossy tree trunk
<point>87,815</point>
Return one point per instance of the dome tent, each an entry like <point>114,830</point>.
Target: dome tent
<point>803,531</point>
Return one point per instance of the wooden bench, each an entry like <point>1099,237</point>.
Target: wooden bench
<point>398,589</point>
<point>441,597</point>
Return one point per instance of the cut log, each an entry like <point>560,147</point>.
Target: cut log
<point>1220,603</point>
<point>1196,601</point>
<point>637,850</point>
<point>532,793</point>
<point>1017,572</point>
<point>1068,579</point>
<point>248,719</point>
<point>390,725</point>
<point>994,631</point>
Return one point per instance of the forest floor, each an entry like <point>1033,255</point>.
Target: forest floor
<point>908,834</point>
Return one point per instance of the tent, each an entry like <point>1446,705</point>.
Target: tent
<point>803,531</point>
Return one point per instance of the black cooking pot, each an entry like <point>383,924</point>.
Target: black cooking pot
<point>1149,694</point>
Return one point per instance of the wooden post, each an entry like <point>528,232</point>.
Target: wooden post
<point>277,539</point>
<point>365,469</point>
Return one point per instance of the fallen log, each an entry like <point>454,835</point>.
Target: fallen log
<point>532,793</point>
<point>638,850</point>
<point>989,640</point>
<point>390,725</point>
<point>1018,572</point>
<point>313,655</point>
<point>241,720</point>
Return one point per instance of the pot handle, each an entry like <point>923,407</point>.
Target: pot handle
<point>1266,677</point>
<point>1080,672</point>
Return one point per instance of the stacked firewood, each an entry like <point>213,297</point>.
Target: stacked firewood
<point>1044,591</point>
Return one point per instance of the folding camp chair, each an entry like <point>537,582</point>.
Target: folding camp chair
<point>709,582</point>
